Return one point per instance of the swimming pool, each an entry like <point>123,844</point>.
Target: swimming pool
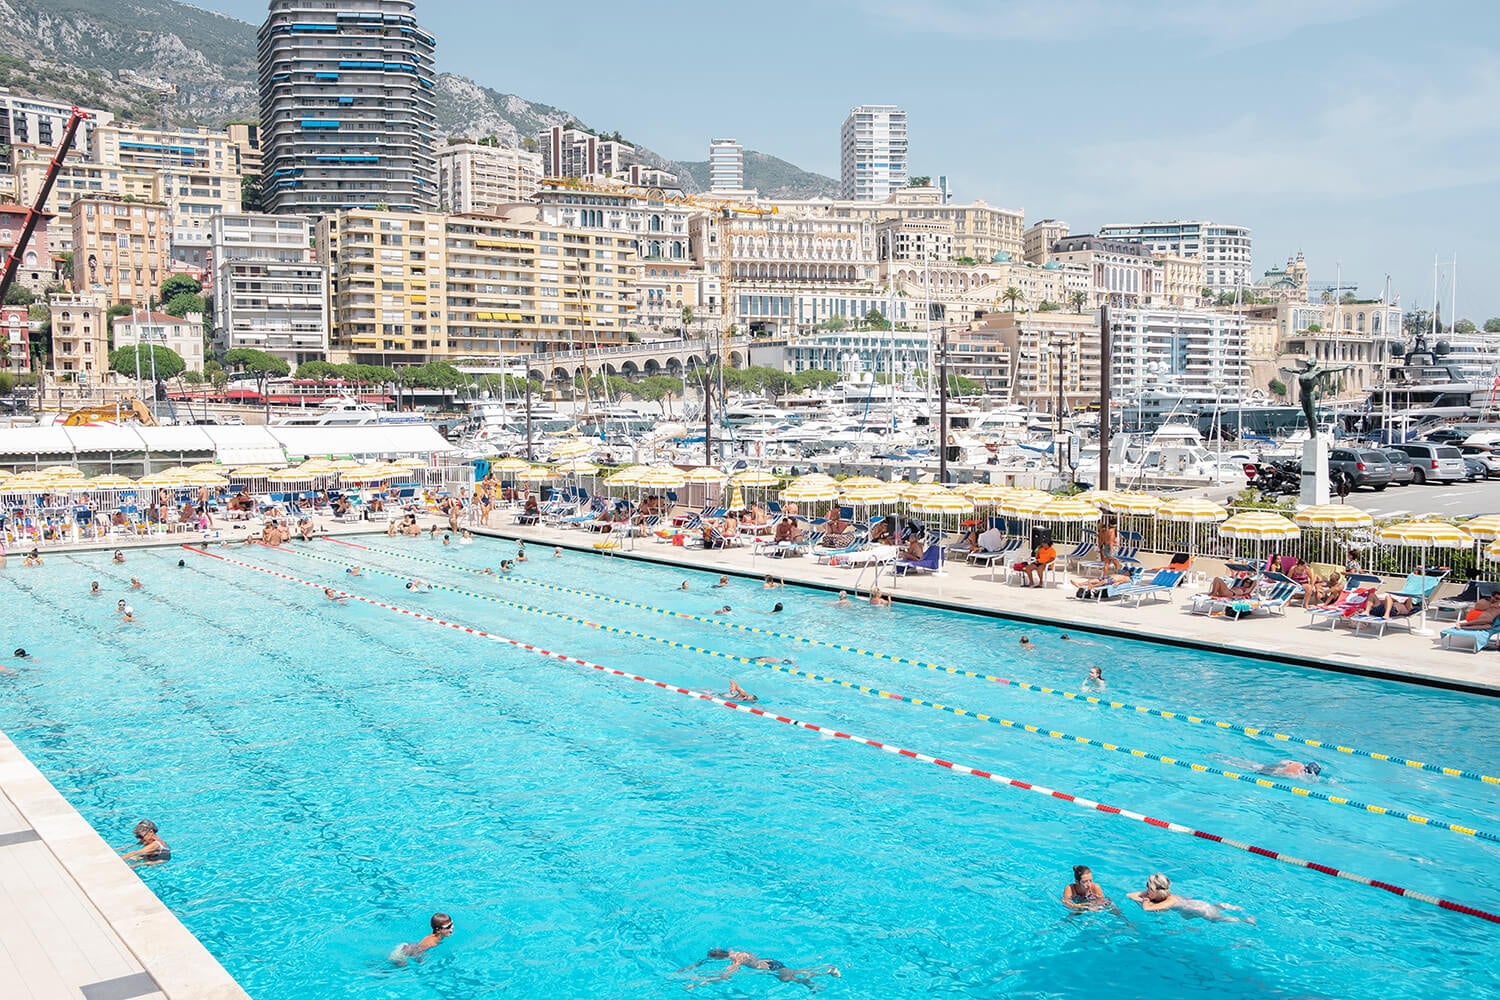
<point>330,775</point>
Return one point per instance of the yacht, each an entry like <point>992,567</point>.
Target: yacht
<point>345,411</point>
<point>1434,384</point>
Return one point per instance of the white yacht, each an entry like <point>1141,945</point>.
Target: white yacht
<point>345,411</point>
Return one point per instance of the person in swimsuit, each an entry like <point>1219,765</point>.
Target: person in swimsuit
<point>1083,893</point>
<point>843,600</point>
<point>1294,769</point>
<point>94,589</point>
<point>1158,895</point>
<point>442,929</point>
<point>721,611</point>
<point>1095,680</point>
<point>737,693</point>
<point>745,960</point>
<point>152,850</point>
<point>1027,644</point>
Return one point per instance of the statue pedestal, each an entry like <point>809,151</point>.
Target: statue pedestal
<point>1314,471</point>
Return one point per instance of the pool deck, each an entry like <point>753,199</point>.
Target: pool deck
<point>75,921</point>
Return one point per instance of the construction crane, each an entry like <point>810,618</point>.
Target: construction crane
<point>35,214</point>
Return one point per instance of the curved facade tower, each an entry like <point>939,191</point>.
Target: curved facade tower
<point>347,107</point>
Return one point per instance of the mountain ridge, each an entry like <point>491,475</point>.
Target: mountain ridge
<point>151,60</point>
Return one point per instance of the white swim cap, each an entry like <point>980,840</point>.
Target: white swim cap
<point>129,610</point>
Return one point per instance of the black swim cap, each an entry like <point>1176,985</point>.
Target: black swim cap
<point>1314,768</point>
<point>181,563</point>
<point>20,653</point>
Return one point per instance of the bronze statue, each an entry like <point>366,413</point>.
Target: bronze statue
<point>1309,378</point>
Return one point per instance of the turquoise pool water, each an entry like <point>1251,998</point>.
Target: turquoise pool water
<point>329,775</point>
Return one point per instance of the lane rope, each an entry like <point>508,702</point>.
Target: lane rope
<point>791,670</point>
<point>1232,727</point>
<point>890,748</point>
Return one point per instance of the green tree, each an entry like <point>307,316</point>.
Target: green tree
<point>817,378</point>
<point>178,284</point>
<point>434,375</point>
<point>193,378</point>
<point>214,372</point>
<point>19,295</point>
<point>1078,301</point>
<point>920,182</point>
<point>1464,326</point>
<point>833,324</point>
<point>658,389</point>
<point>262,365</point>
<point>1277,387</point>
<point>1492,325</point>
<point>146,358</point>
<point>1048,306</point>
<point>250,192</point>
<point>875,320</point>
<point>1013,295</point>
<point>687,320</point>
<point>181,305</point>
<point>317,370</point>
<point>113,313</point>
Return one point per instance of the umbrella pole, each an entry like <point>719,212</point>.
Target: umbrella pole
<point>1422,628</point>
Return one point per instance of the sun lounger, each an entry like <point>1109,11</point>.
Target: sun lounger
<point>1350,603</point>
<point>931,562</point>
<point>1161,584</point>
<point>866,557</point>
<point>1462,601</point>
<point>1480,637</point>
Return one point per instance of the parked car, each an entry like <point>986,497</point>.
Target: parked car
<point>1485,454</point>
<point>1474,470</point>
<point>1434,463</point>
<point>1402,471</point>
<point>1446,435</point>
<point>1362,467</point>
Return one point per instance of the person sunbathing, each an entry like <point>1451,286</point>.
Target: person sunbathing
<point>1084,587</point>
<point>1232,590</point>
<point>1391,606</point>
<point>1482,616</point>
<point>1319,591</point>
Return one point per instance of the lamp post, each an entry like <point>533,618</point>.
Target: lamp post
<point>1218,431</point>
<point>943,404</point>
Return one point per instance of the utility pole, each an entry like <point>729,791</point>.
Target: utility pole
<point>528,413</point>
<point>1061,440</point>
<point>943,405</point>
<point>1104,385</point>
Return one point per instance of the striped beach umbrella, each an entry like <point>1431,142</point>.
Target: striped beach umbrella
<point>1022,503</point>
<point>1132,503</point>
<point>706,474</point>
<point>661,477</point>
<point>946,502</point>
<point>1424,535</point>
<point>810,492</point>
<point>509,465</point>
<point>1259,526</point>
<point>1335,515</point>
<point>871,498</point>
<point>1486,527</point>
<point>755,478</point>
<point>574,448</point>
<point>627,476</point>
<point>1492,552</point>
<point>863,483</point>
<point>1194,510</point>
<point>1066,509</point>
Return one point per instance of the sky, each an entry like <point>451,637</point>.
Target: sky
<point>1365,133</point>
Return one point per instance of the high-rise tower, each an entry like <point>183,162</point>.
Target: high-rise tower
<point>726,165</point>
<point>348,114</point>
<point>872,152</point>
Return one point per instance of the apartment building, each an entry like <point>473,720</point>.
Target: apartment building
<point>35,121</point>
<point>872,152</point>
<point>1224,249</point>
<point>77,179</point>
<point>15,339</point>
<point>574,152</point>
<point>726,166</point>
<point>245,138</point>
<point>35,270</point>
<point>80,339</point>
<point>407,288</point>
<point>1123,272</point>
<point>182,334</point>
<point>980,230</point>
<point>1188,349</point>
<point>1028,357</point>
<point>196,174</point>
<point>479,178</point>
<point>1036,242</point>
<point>269,292</point>
<point>348,115</point>
<point>121,248</point>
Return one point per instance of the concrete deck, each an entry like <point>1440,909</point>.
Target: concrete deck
<point>75,921</point>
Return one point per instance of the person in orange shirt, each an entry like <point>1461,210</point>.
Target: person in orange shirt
<point>1044,556</point>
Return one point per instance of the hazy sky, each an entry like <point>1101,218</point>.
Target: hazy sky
<point>1363,132</point>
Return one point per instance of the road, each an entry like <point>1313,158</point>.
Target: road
<point>1452,500</point>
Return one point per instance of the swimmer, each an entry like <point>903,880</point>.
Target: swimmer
<point>520,552</point>
<point>135,583</point>
<point>442,929</point>
<point>684,585</point>
<point>1026,644</point>
<point>334,595</point>
<point>1067,638</point>
<point>878,599</point>
<point>129,615</point>
<point>1083,893</point>
<point>33,558</point>
<point>778,609</point>
<point>119,556</point>
<point>723,582</point>
<point>1294,769</point>
<point>843,600</point>
<point>418,586</point>
<point>21,654</point>
<point>119,607</point>
<point>745,960</point>
<point>152,850</point>
<point>353,571</point>
<point>737,693</point>
<point>447,538</point>
<point>467,538</point>
<point>182,564</point>
<point>94,590</point>
<point>432,533</point>
<point>557,552</point>
<point>771,583</point>
<point>1158,895</point>
<point>1095,680</point>
<point>722,611</point>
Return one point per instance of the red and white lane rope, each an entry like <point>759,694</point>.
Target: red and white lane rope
<point>990,776</point>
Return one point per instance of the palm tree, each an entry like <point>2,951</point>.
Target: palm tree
<point>1078,299</point>
<point>687,320</point>
<point>1012,295</point>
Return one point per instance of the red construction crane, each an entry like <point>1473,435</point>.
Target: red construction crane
<point>35,213</point>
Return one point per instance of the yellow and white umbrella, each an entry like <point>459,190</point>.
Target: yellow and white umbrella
<point>578,467</point>
<point>206,479</point>
<point>1492,552</point>
<point>507,465</point>
<point>1194,510</point>
<point>706,474</point>
<point>538,474</point>
<point>863,483</point>
<point>1259,526</point>
<point>1424,535</point>
<point>1485,527</point>
<point>1023,503</point>
<point>661,477</point>
<point>63,472</point>
<point>293,476</point>
<point>410,462</point>
<point>1065,509</point>
<point>1335,515</point>
<point>252,472</point>
<point>1132,503</point>
<point>575,448</point>
<point>946,502</point>
<point>367,474</point>
<point>110,482</point>
<point>213,467</point>
<point>913,490</point>
<point>810,492</point>
<point>989,494</point>
<point>755,478</point>
<point>627,476</point>
<point>737,497</point>
<point>871,498</point>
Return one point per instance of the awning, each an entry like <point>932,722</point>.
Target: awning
<point>95,439</point>
<point>369,441</point>
<point>244,445</point>
<point>184,440</point>
<point>27,441</point>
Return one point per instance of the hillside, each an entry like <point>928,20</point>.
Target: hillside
<point>127,56</point>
